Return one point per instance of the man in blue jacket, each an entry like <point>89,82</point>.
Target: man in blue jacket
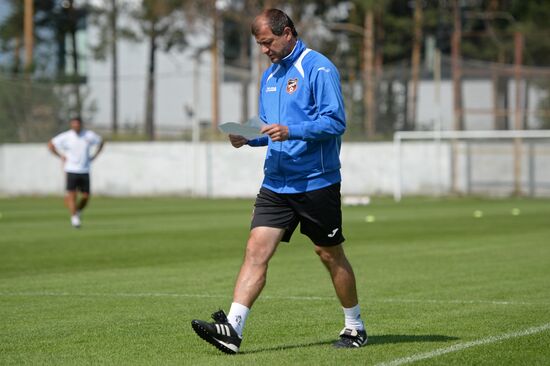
<point>302,106</point>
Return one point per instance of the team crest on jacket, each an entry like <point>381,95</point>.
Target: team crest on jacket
<point>291,85</point>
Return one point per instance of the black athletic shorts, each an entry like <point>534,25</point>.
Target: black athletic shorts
<point>80,182</point>
<point>318,212</point>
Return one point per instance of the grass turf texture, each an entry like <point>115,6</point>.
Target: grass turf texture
<point>123,289</point>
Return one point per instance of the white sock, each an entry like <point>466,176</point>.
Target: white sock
<point>353,318</point>
<point>237,317</point>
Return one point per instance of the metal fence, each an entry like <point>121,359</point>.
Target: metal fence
<point>493,97</point>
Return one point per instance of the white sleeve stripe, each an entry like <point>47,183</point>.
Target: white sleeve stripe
<point>298,63</point>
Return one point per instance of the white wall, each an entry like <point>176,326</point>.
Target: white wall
<point>130,169</point>
<point>219,170</point>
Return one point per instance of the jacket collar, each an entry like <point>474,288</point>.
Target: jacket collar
<point>299,47</point>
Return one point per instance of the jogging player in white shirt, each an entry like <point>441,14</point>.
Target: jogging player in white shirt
<point>74,147</point>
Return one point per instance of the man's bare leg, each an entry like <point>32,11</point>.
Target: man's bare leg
<point>70,201</point>
<point>354,334</point>
<point>84,198</point>
<point>226,332</point>
<point>261,246</point>
<point>341,273</point>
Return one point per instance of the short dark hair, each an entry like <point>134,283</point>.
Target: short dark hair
<point>75,118</point>
<point>277,21</point>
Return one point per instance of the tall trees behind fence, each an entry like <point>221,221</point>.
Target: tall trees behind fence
<point>388,52</point>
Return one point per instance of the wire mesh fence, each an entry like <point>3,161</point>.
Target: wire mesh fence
<point>29,111</point>
<point>492,97</point>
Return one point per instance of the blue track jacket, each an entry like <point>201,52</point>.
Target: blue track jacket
<point>302,92</point>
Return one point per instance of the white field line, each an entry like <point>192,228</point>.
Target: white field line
<point>150,294</point>
<point>266,297</point>
<point>462,346</point>
<point>105,294</point>
<point>491,302</point>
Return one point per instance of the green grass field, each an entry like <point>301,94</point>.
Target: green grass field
<point>437,285</point>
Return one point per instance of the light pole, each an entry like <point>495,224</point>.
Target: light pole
<point>28,29</point>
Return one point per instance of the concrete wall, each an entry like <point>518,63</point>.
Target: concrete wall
<point>219,170</point>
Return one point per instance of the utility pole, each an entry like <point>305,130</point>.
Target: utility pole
<point>151,83</point>
<point>368,68</point>
<point>28,40</point>
<point>518,125</point>
<point>72,28</point>
<point>114,67</point>
<point>215,70</point>
<point>415,61</point>
<point>456,67</point>
<point>457,91</point>
<point>28,30</point>
<point>245,75</point>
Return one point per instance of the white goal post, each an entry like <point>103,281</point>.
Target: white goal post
<point>454,136</point>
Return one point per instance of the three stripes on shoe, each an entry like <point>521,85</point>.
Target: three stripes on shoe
<point>222,329</point>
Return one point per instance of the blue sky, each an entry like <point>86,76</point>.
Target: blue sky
<point>4,9</point>
<point>4,12</point>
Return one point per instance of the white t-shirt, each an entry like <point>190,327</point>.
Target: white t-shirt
<point>76,148</point>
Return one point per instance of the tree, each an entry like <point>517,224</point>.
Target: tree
<point>161,24</point>
<point>72,19</point>
<point>532,20</point>
<point>11,31</point>
<point>371,11</point>
<point>105,18</point>
<point>28,107</point>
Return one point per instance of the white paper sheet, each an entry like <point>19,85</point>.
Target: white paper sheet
<point>250,129</point>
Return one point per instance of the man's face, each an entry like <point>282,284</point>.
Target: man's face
<point>274,47</point>
<point>76,125</point>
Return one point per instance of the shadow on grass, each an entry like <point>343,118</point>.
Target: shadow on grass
<point>404,338</point>
<point>374,340</point>
<point>284,347</point>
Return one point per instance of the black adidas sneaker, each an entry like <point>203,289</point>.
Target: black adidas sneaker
<point>351,338</point>
<point>220,333</point>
